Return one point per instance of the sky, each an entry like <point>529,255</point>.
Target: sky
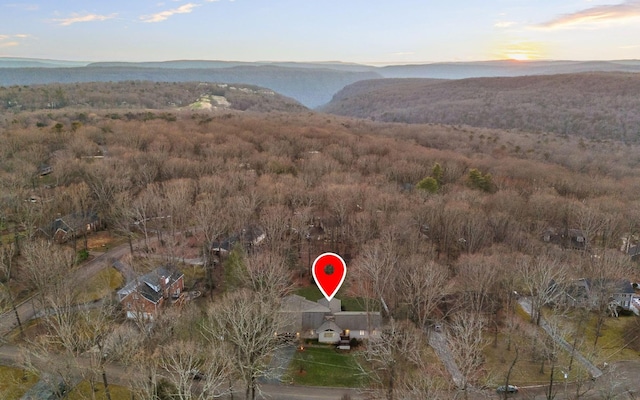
<point>359,31</point>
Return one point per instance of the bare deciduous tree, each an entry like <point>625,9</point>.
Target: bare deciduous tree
<point>422,284</point>
<point>466,341</point>
<point>195,374</point>
<point>6,285</point>
<point>399,350</point>
<point>245,324</point>
<point>540,277</point>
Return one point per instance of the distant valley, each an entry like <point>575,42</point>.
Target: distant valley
<point>312,84</point>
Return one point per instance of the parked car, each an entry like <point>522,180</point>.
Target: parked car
<point>508,389</point>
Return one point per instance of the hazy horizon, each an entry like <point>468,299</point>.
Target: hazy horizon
<point>319,62</point>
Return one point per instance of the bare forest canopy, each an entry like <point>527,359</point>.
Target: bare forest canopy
<point>132,95</point>
<point>436,223</point>
<point>600,106</point>
<point>362,174</point>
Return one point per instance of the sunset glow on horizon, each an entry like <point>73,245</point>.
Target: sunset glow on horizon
<point>355,31</point>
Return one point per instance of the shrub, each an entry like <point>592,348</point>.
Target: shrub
<point>428,184</point>
<point>83,255</point>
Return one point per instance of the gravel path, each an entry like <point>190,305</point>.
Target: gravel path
<point>438,341</point>
<point>279,364</point>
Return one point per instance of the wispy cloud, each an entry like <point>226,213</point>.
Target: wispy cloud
<point>164,15</point>
<point>24,7</point>
<point>75,18</point>
<point>596,14</point>
<point>504,24</point>
<point>12,40</point>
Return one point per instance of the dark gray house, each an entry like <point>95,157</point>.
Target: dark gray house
<point>327,322</point>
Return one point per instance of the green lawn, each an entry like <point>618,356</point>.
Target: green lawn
<point>14,382</point>
<point>319,365</point>
<point>612,344</point>
<point>101,285</point>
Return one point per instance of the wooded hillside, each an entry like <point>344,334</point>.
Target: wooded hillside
<point>591,105</point>
<point>310,86</point>
<point>132,95</point>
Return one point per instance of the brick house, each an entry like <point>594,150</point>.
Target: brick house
<point>144,297</point>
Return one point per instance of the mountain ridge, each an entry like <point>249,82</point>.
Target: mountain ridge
<point>594,105</point>
<point>311,83</point>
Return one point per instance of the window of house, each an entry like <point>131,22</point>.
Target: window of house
<point>362,333</point>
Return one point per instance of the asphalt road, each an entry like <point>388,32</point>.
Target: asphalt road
<point>86,271</point>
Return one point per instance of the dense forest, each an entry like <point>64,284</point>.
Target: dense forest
<point>439,223</point>
<point>590,105</point>
<point>131,95</point>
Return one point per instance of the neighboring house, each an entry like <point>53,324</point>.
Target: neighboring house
<point>326,321</point>
<point>45,169</point>
<point>249,237</point>
<point>144,297</point>
<point>633,251</point>
<point>71,226</point>
<point>587,293</point>
<point>621,294</point>
<point>569,238</point>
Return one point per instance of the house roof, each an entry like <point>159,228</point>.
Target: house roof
<point>634,250</point>
<point>71,222</point>
<point>329,326</point>
<point>359,320</point>
<point>296,303</point>
<point>335,305</point>
<point>150,285</point>
<point>583,288</point>
<point>249,236</point>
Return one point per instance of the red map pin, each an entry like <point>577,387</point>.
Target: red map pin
<point>329,271</point>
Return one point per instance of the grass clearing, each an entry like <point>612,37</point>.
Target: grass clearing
<point>101,285</point>
<point>15,382</point>
<point>83,391</point>
<point>498,359</point>
<point>320,365</point>
<point>612,345</point>
<point>192,274</point>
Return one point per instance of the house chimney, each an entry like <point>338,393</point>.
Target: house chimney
<point>163,286</point>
